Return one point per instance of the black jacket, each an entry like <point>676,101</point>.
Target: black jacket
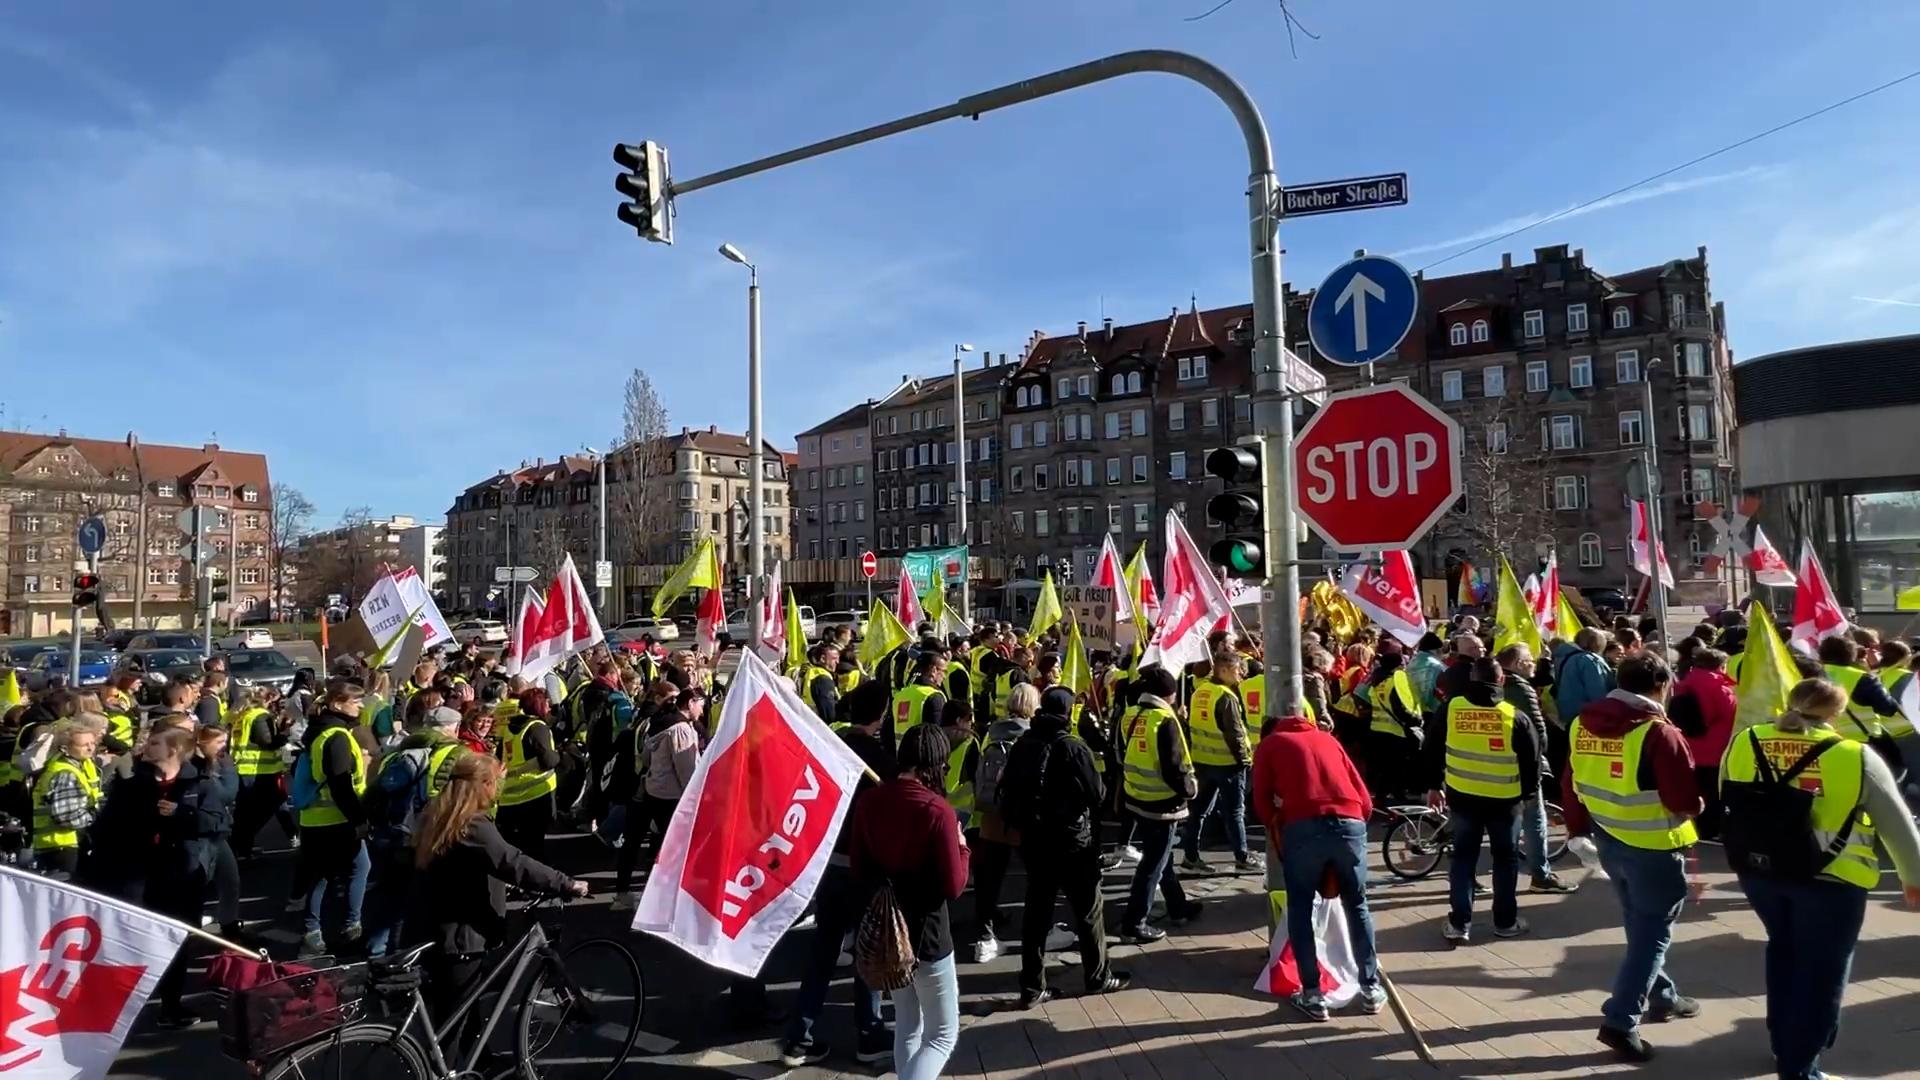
<point>336,764</point>
<point>131,842</point>
<point>1051,790</point>
<point>459,900</point>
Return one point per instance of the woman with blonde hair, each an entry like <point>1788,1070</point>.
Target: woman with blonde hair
<point>1812,919</point>
<point>66,795</point>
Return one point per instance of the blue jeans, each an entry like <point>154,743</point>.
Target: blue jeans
<point>1533,819</point>
<point>1227,786</point>
<point>838,906</point>
<point>926,1020</point>
<point>1812,927</point>
<point>1502,833</point>
<point>1652,887</point>
<point>1155,838</point>
<point>333,864</point>
<point>1308,849</point>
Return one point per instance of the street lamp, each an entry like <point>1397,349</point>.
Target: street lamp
<point>960,464</point>
<point>600,558</point>
<point>756,558</point>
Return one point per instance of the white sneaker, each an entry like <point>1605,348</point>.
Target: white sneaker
<point>1060,938</point>
<point>1130,853</point>
<point>986,950</point>
<point>622,901</point>
<point>1459,935</point>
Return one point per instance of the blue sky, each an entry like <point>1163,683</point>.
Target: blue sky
<point>376,241</point>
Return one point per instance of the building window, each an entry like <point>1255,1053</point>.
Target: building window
<point>1119,383</point>
<point>1016,523</point>
<point>1066,387</point>
<point>30,553</point>
<point>986,489</point>
<point>173,575</point>
<point>1696,422</point>
<point>1139,421</point>
<point>1016,436</point>
<point>1566,432</point>
<point>1177,416</point>
<point>1086,472</point>
<point>1533,324</point>
<point>1177,465</point>
<point>1626,366</point>
<point>30,583</point>
<point>1590,552</point>
<point>1450,386</point>
<point>813,549</point>
<point>859,512</point>
<point>249,576</point>
<point>1041,430</point>
<point>1457,334</point>
<point>1042,526</point>
<point>1210,413</point>
<point>248,494</point>
<point>1632,430</point>
<point>164,489</point>
<point>1580,372</point>
<point>1133,382</point>
<point>1017,478</point>
<point>1537,377</point>
<point>155,575</point>
<point>1622,317</point>
<point>1693,359</point>
<point>1041,475</point>
<point>1576,318</point>
<point>1113,470</point>
<point>1497,437</point>
<point>1481,331</point>
<point>1113,424</point>
<point>1493,382</point>
<point>1141,515</point>
<point>860,474</point>
<point>1189,368</point>
<point>1243,408</point>
<point>1084,385</point>
<point>1569,492</point>
<point>1679,304</point>
<point>30,523</point>
<point>1139,468</point>
<point>1113,517</point>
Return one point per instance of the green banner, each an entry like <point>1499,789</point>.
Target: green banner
<point>952,562</point>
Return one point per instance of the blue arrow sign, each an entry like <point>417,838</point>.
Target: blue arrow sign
<point>1362,311</point>
<point>93,536</point>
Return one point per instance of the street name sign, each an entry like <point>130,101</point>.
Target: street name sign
<point>1334,196</point>
<point>516,574</point>
<point>1362,311</point>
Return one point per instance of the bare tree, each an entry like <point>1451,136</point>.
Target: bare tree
<point>640,500</point>
<point>287,515</point>
<point>1507,469</point>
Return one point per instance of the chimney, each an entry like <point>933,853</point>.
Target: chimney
<point>1083,329</point>
<point>1506,260</point>
<point>685,431</point>
<point>1106,327</point>
<point>205,448</point>
<point>713,429</point>
<point>539,462</point>
<point>1003,359</point>
<point>986,360</point>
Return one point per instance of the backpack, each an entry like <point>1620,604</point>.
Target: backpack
<point>304,792</point>
<point>397,794</point>
<point>882,944</point>
<point>1768,828</point>
<point>32,755</point>
<point>993,764</point>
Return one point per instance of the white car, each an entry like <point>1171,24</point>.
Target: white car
<point>640,626</point>
<point>855,621</point>
<point>480,632</point>
<point>738,630</point>
<point>255,638</point>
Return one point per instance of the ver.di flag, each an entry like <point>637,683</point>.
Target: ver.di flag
<point>1640,542</point>
<point>751,836</point>
<point>1768,567</point>
<point>906,602</point>
<point>1546,605</point>
<point>885,633</point>
<point>1333,951</point>
<point>1108,573</point>
<point>1816,610</point>
<point>75,969</point>
<point>1194,603</point>
<point>773,629</point>
<point>1388,595</point>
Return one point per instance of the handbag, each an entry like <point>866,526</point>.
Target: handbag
<point>883,946</point>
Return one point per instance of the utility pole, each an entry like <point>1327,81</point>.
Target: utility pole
<point>600,589</point>
<point>960,463</point>
<point>756,451</point>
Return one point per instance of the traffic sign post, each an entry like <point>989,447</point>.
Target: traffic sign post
<point>1362,311</point>
<point>869,566</point>
<point>1377,467</point>
<point>1335,196</point>
<point>516,575</point>
<point>92,539</point>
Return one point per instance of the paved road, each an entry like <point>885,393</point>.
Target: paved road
<point>1525,1007</point>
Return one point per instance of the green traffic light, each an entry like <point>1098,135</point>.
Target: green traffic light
<point>1245,557</point>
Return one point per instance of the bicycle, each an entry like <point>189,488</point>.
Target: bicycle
<point>1423,835</point>
<point>539,984</point>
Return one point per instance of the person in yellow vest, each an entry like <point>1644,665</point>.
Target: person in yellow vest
<point>1630,783</point>
<point>1390,706</point>
<point>333,855</point>
<point>1158,782</point>
<point>260,730</point>
<point>66,796</point>
<point>123,714</point>
<point>848,677</point>
<point>1869,706</point>
<point>963,757</point>
<point>433,744</point>
<point>996,677</point>
<point>1488,766</point>
<point>1222,753</point>
<point>1813,917</point>
<point>817,683</point>
<point>920,701</point>
<point>533,761</point>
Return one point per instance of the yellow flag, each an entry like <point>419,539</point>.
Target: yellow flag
<point>1510,610</point>
<point>700,570</point>
<point>885,633</point>
<point>1767,673</point>
<point>1567,621</point>
<point>934,600</point>
<point>1908,600</point>
<point>1136,570</point>
<point>796,635</point>
<point>10,691</point>
<point>1076,671</point>
<point>1046,610</point>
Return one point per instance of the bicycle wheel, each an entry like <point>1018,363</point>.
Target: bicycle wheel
<point>581,1013</point>
<point>355,1052</point>
<point>1413,846</point>
<point>1557,834</point>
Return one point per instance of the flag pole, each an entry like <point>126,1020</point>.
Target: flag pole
<point>116,902</point>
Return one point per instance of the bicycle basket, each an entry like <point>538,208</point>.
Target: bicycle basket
<point>264,1021</point>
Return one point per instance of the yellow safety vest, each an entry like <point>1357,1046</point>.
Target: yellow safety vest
<point>120,727</point>
<point>1002,687</point>
<point>248,759</point>
<point>1141,763</point>
<point>1606,775</point>
<point>503,712</point>
<point>809,674</point>
<point>1210,745</point>
<point>1899,726</point>
<point>525,780</point>
<point>1480,756</point>
<point>954,671</point>
<point>440,764</point>
<point>909,707</point>
<point>1733,666</point>
<point>960,786</point>
<point>323,811</point>
<point>46,836</point>
<point>1861,723</point>
<point>1381,721</point>
<point>1835,778</point>
<point>848,680</point>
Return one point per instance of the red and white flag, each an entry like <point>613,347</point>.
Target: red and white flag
<point>751,836</point>
<point>1639,544</point>
<point>1333,951</point>
<point>583,626</point>
<point>1110,573</point>
<point>75,969</point>
<point>1768,566</point>
<point>527,630</point>
<point>1389,595</point>
<point>906,603</point>
<point>1816,609</point>
<point>1546,600</point>
<point>773,628</point>
<point>1193,605</point>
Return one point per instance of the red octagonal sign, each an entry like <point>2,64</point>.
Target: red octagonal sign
<point>1376,467</point>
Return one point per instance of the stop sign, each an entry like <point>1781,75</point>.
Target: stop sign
<point>1376,467</point>
<point>868,564</point>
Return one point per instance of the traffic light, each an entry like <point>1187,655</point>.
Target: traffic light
<point>86,589</point>
<point>1240,510</point>
<point>211,590</point>
<point>648,208</point>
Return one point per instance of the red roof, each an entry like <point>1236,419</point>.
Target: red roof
<point>153,461</point>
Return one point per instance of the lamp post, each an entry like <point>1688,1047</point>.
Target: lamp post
<point>600,547</point>
<point>756,539</point>
<point>960,464</point>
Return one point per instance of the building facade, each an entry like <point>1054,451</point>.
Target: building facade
<point>49,484</point>
<point>423,547</point>
<point>915,462</point>
<point>833,492</point>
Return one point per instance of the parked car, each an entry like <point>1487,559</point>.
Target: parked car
<point>640,626</point>
<point>261,667</point>
<point>96,665</point>
<point>156,666</point>
<point>255,638</point>
<point>854,620</point>
<point>1607,601</point>
<point>21,653</point>
<point>737,629</point>
<point>480,632</point>
<point>165,639</point>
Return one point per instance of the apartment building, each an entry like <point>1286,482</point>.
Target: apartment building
<point>914,462</point>
<point>833,494</point>
<point>348,558</point>
<point>49,484</point>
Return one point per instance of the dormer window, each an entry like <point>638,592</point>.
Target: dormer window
<point>1457,335</point>
<point>1481,331</point>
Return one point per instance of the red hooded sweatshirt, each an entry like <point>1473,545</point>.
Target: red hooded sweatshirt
<point>1666,765</point>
